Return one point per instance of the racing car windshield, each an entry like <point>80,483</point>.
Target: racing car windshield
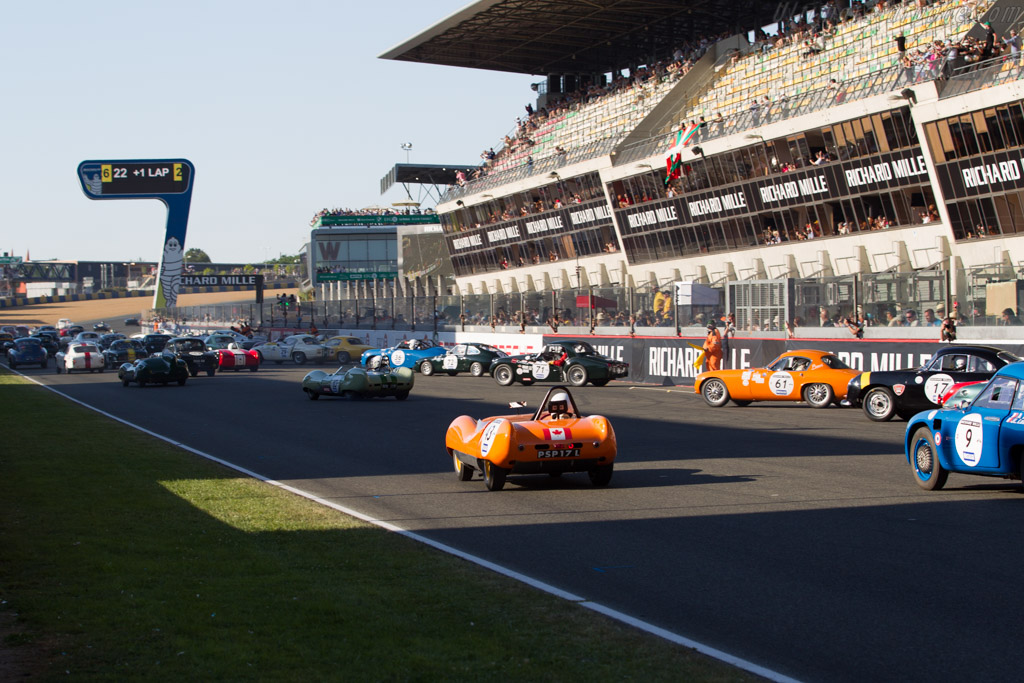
<point>584,349</point>
<point>1008,357</point>
<point>86,348</point>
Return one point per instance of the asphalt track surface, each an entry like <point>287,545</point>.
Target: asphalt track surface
<point>790,537</point>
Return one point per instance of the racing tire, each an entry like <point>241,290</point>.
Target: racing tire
<point>181,382</point>
<point>577,375</point>
<point>12,365</point>
<point>254,368</point>
<point>142,383</point>
<point>102,369</point>
<point>880,404</point>
<point>476,369</point>
<point>193,371</point>
<point>44,364</point>
<point>402,395</point>
<point>715,393</point>
<point>343,357</point>
<point>819,395</point>
<point>928,471</point>
<point>494,476</point>
<point>312,395</point>
<point>463,472</point>
<point>211,372</point>
<point>426,368</point>
<point>600,475</point>
<point>299,358</point>
<point>742,404</point>
<point>504,376</point>
<point>599,382</point>
<point>125,382</point>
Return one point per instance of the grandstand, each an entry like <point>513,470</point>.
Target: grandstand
<point>821,153</point>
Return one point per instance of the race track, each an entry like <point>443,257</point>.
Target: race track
<point>790,537</point>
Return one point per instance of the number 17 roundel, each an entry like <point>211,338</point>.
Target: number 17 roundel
<point>558,434</point>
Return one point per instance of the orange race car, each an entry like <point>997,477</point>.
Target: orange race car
<point>818,377</point>
<point>555,439</point>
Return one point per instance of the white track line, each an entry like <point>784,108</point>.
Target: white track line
<point>486,564</point>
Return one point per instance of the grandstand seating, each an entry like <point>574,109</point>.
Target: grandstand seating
<point>857,49</point>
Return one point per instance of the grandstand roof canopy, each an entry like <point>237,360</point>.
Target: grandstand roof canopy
<point>422,174</point>
<point>574,36</point>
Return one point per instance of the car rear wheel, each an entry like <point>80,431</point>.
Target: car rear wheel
<point>343,357</point>
<point>503,375</point>
<point>463,472</point>
<point>600,475</point>
<point>476,369</point>
<point>880,404</point>
<point>715,392</point>
<point>312,394</point>
<point>426,368</point>
<point>577,375</point>
<point>494,476</point>
<point>928,471</point>
<point>299,357</point>
<point>819,395</point>
<point>125,382</point>
<point>211,372</point>
<point>181,381</point>
<point>402,395</point>
<point>599,382</point>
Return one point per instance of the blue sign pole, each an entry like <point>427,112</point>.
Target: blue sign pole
<point>170,181</point>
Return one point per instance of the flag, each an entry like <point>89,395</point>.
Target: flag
<point>558,434</point>
<point>683,138</point>
<point>700,358</point>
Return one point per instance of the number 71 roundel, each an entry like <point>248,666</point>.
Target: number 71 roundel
<point>558,434</point>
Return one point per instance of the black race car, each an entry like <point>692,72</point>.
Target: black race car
<point>106,340</point>
<point>49,340</point>
<point>123,351</point>
<point>193,351</point>
<point>154,343</point>
<point>906,392</point>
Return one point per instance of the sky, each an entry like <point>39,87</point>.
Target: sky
<point>283,108</point>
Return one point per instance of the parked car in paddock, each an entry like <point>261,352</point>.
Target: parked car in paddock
<point>572,361</point>
<point>27,351</point>
<point>407,354</point>
<point>556,439</point>
<point>984,436</point>
<point>124,351</point>
<point>360,383</point>
<point>884,395</point>
<point>163,368</point>
<point>155,342</point>
<point>817,377</point>
<point>344,349</point>
<point>298,348</point>
<point>193,351</point>
<point>475,359</point>
<point>961,391</point>
<point>79,356</point>
<point>236,358</point>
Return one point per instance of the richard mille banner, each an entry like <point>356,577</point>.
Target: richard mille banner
<point>669,361</point>
<point>534,226</point>
<point>809,185</point>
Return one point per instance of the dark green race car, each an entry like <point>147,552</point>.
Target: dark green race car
<point>359,383</point>
<point>162,368</point>
<point>475,359</point>
<point>572,362</point>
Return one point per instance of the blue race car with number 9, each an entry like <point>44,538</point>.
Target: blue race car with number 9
<point>407,354</point>
<point>984,436</point>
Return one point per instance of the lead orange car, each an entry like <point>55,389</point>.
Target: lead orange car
<point>818,377</point>
<point>557,438</point>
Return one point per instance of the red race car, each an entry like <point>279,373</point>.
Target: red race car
<point>234,358</point>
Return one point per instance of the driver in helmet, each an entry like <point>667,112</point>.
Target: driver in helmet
<point>558,406</point>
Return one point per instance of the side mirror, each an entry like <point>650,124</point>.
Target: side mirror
<point>962,404</point>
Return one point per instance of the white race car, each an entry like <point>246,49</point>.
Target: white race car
<point>298,347</point>
<point>80,356</point>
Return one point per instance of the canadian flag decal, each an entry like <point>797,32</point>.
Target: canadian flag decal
<point>558,434</point>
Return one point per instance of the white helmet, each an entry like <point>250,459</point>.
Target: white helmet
<point>559,402</point>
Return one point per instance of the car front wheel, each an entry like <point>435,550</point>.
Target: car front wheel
<point>463,472</point>
<point>880,404</point>
<point>494,476</point>
<point>312,394</point>
<point>577,375</point>
<point>928,471</point>
<point>476,369</point>
<point>426,368</point>
<point>715,392</point>
<point>299,357</point>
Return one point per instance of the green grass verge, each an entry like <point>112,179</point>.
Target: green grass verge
<point>123,557</point>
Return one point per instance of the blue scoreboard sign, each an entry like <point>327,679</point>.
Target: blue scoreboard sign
<point>170,181</point>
